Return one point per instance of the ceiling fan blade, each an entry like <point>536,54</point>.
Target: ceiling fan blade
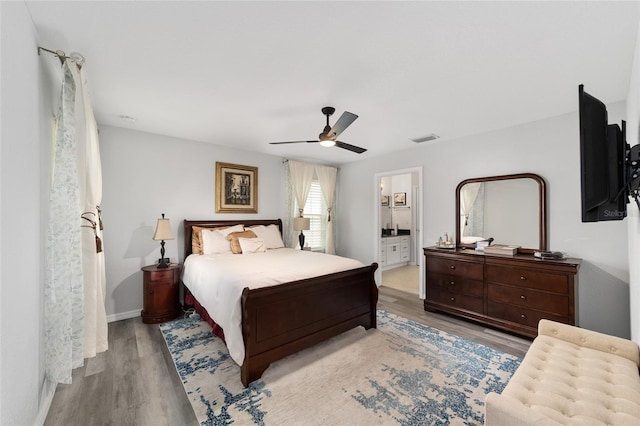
<point>349,147</point>
<point>278,143</point>
<point>343,122</point>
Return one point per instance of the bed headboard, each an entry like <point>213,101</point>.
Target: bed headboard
<point>189,224</point>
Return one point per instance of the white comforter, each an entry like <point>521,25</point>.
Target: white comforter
<point>217,281</point>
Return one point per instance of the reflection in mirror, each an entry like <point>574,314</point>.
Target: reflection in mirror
<point>509,209</point>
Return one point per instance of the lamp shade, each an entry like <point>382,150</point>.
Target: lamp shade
<point>301,223</point>
<point>163,230</point>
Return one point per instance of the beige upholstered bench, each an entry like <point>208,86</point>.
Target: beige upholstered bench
<point>571,376</point>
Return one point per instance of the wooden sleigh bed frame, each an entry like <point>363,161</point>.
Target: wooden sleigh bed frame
<point>281,320</point>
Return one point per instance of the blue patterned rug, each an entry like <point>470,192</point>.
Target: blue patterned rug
<point>400,373</point>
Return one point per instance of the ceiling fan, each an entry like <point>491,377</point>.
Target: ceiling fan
<point>329,134</point>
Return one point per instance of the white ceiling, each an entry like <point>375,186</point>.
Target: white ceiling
<point>243,74</point>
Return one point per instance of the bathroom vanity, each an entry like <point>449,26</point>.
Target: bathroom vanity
<point>395,250</point>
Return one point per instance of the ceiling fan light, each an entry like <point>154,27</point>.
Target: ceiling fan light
<point>328,142</point>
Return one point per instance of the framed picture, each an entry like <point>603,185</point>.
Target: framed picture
<point>236,188</point>
<point>400,199</point>
<point>384,200</point>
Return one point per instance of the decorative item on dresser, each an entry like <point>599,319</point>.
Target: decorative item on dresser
<point>160,293</point>
<point>512,293</point>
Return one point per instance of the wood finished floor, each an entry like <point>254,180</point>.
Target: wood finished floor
<point>135,381</point>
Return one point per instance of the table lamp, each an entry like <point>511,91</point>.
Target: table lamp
<point>300,224</point>
<point>163,232</point>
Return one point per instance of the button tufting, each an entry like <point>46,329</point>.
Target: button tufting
<point>613,349</point>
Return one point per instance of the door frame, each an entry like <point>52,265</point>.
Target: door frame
<point>419,222</point>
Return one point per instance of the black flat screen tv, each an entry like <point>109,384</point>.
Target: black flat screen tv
<point>602,162</point>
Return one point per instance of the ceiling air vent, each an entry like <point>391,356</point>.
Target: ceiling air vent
<point>426,138</point>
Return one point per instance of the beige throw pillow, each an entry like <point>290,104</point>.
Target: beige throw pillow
<point>233,239</point>
<point>196,235</point>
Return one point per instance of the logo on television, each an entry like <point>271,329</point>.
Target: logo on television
<point>613,213</point>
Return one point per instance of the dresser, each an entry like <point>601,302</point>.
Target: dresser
<point>394,251</point>
<point>508,292</point>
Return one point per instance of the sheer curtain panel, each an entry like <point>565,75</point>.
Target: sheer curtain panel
<point>74,312</point>
<point>300,175</point>
<point>63,292</point>
<point>327,177</point>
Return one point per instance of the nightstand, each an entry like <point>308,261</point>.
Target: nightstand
<point>161,287</point>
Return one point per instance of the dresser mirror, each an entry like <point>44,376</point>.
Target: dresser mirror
<point>510,209</point>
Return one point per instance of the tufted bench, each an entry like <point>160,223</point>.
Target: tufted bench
<point>571,376</point>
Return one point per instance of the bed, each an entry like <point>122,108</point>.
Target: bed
<point>279,320</point>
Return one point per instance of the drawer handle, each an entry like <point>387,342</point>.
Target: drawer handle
<point>523,316</point>
<point>453,299</point>
<point>452,266</point>
<point>523,297</point>
<point>452,283</point>
<point>522,278</point>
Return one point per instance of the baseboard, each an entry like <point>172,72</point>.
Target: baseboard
<point>46,397</point>
<point>123,315</point>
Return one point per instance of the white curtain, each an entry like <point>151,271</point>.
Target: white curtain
<point>468,194</point>
<point>300,176</point>
<point>90,173</point>
<point>327,178</point>
<point>74,313</point>
<point>63,292</point>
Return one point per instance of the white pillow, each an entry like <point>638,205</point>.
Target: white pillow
<point>234,228</point>
<point>214,242</point>
<point>270,234</point>
<point>251,245</point>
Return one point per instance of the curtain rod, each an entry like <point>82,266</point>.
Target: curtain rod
<point>74,56</point>
<point>286,160</point>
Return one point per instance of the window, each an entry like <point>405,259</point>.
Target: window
<point>314,210</point>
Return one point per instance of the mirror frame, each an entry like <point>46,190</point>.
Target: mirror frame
<point>542,208</point>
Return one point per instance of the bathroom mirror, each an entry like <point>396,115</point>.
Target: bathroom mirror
<point>510,209</point>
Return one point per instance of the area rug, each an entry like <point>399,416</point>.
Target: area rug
<point>400,373</point>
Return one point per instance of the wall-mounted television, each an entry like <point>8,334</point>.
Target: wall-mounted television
<point>604,175</point>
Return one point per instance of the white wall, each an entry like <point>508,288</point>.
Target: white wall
<point>24,173</point>
<point>145,175</point>
<point>633,138</point>
<point>549,148</point>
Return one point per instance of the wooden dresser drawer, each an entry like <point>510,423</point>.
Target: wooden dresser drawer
<point>508,292</point>
<point>460,268</point>
<point>455,284</point>
<point>521,315</point>
<point>543,301</point>
<point>531,278</point>
<point>455,300</point>
<point>162,276</point>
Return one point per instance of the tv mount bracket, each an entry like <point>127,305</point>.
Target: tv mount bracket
<point>632,161</point>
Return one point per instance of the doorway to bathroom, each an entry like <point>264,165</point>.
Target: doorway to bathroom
<point>398,238</point>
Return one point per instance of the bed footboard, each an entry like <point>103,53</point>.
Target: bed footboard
<point>281,320</point>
